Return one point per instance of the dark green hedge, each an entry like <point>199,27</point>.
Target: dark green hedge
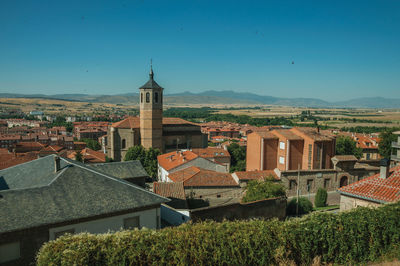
<point>352,237</point>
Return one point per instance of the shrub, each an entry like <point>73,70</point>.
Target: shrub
<point>259,190</point>
<point>354,237</point>
<point>305,206</point>
<point>320,198</point>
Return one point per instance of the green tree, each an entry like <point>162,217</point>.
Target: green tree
<point>79,156</point>
<point>148,158</point>
<point>320,198</point>
<point>305,206</point>
<point>259,190</point>
<point>92,144</point>
<point>385,144</point>
<point>238,157</point>
<point>345,145</point>
<point>151,163</point>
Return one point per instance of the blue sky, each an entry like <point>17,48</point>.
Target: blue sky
<point>340,49</point>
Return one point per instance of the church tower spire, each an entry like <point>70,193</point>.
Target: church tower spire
<point>151,113</point>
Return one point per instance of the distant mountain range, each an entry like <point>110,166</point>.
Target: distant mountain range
<point>220,97</point>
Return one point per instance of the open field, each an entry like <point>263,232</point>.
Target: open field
<point>335,117</point>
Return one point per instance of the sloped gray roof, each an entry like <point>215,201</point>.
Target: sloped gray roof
<point>151,84</point>
<point>74,192</point>
<point>122,170</point>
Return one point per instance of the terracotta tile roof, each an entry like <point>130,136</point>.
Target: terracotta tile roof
<point>170,189</point>
<point>17,160</point>
<point>197,177</point>
<point>134,122</point>
<point>365,142</point>
<point>211,152</point>
<point>174,159</point>
<point>265,134</point>
<point>52,148</point>
<point>176,121</point>
<point>89,156</point>
<point>345,158</point>
<point>313,133</point>
<point>129,122</point>
<point>256,175</point>
<point>30,145</point>
<point>376,188</point>
<point>286,133</point>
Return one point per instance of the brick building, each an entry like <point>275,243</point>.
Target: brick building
<point>287,149</point>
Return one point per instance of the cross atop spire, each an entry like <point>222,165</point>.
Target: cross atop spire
<point>151,69</point>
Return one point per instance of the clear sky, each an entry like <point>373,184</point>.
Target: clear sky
<point>340,49</point>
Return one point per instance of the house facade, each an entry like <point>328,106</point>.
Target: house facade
<point>63,196</point>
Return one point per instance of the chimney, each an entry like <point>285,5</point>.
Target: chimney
<point>384,165</point>
<point>57,164</point>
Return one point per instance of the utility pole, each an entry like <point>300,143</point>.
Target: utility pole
<point>298,189</point>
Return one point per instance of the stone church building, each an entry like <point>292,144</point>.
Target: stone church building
<point>151,129</point>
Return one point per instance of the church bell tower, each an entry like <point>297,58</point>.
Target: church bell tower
<point>151,113</point>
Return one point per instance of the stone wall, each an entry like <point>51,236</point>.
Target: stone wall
<point>267,209</point>
<point>214,192</point>
<point>348,203</point>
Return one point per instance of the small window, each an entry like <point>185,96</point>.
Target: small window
<point>327,183</point>
<point>281,160</point>
<point>156,97</point>
<point>310,183</point>
<point>218,196</point>
<point>61,233</point>
<point>10,252</point>
<point>141,97</point>
<point>282,145</point>
<point>147,97</point>
<point>292,184</point>
<point>123,144</point>
<point>132,222</point>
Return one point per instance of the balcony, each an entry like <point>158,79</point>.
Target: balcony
<point>396,145</point>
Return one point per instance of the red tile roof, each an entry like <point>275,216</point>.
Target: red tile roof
<point>256,175</point>
<point>134,122</point>
<point>375,188</point>
<point>170,189</point>
<point>89,156</point>
<point>211,152</point>
<point>17,160</point>
<point>197,177</point>
<point>129,122</point>
<point>174,159</point>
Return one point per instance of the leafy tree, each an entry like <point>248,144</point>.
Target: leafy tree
<point>148,158</point>
<point>79,156</point>
<point>305,206</point>
<point>259,190</point>
<point>320,198</point>
<point>92,144</point>
<point>238,157</point>
<point>135,153</point>
<point>385,144</point>
<point>345,145</point>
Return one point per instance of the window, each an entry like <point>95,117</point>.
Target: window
<point>309,184</point>
<point>69,231</point>
<point>327,183</point>
<point>132,222</point>
<point>156,97</point>
<point>141,97</point>
<point>10,252</point>
<point>218,196</point>
<point>147,97</point>
<point>309,155</point>
<point>282,145</point>
<point>368,156</point>
<point>123,144</point>
<point>281,160</point>
<point>292,184</point>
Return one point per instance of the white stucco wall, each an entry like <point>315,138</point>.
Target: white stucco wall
<point>148,219</point>
<point>174,216</point>
<point>348,203</point>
